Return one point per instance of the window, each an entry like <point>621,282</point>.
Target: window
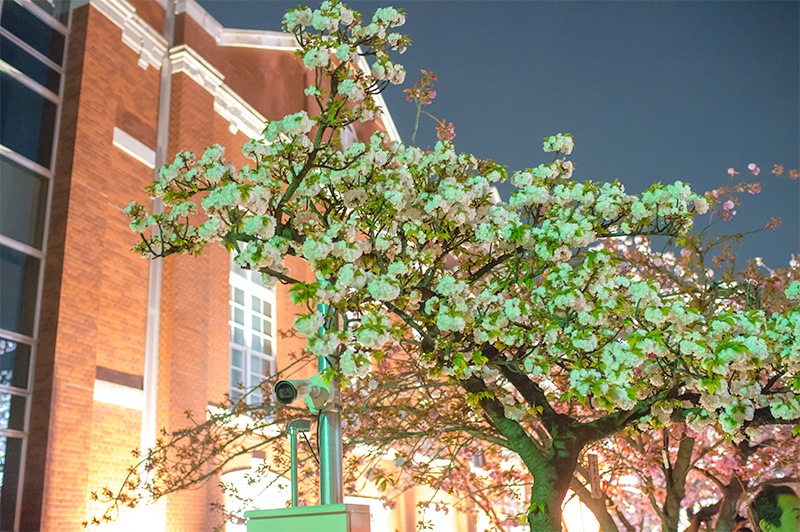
<point>32,53</point>
<point>39,69</point>
<point>23,199</point>
<point>33,30</point>
<point>19,104</point>
<point>252,333</point>
<point>19,276</point>
<point>10,457</point>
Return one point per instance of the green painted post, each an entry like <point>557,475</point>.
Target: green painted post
<point>295,426</point>
<point>329,425</point>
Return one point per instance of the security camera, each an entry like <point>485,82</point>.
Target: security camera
<point>287,392</point>
<point>315,394</point>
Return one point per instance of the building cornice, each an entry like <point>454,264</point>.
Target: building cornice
<point>232,107</point>
<point>268,40</point>
<point>136,33</point>
<point>151,47</point>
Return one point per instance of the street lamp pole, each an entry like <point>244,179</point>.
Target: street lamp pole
<point>329,427</point>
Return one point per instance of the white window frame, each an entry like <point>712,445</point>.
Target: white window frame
<point>250,285</point>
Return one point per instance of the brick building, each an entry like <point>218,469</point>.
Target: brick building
<point>100,348</point>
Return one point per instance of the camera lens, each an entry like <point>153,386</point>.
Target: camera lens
<point>285,392</point>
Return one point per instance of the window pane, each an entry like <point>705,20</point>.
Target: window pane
<point>58,8</point>
<point>23,198</point>
<point>12,411</point>
<point>238,296</point>
<point>237,335</point>
<point>267,328</point>
<point>255,380</point>
<point>19,274</point>
<point>256,324</point>
<point>237,377</point>
<point>27,120</point>
<point>260,366</point>
<point>266,309</point>
<point>254,397</point>
<point>256,304</point>
<point>238,316</point>
<point>14,362</point>
<point>33,31</point>
<point>255,343</point>
<point>236,359</point>
<point>10,456</point>
<point>267,347</point>
<point>29,65</point>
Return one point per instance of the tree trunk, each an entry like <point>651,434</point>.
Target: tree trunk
<point>552,474</point>
<point>675,475</point>
<point>728,507</point>
<point>551,467</point>
<point>552,470</point>
<point>597,506</point>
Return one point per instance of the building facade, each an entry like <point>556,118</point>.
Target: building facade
<point>99,348</point>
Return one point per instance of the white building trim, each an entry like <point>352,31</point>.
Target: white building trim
<point>186,59</point>
<point>118,394</point>
<point>270,40</point>
<point>136,33</point>
<point>151,47</point>
<point>196,12</point>
<point>134,148</point>
<point>232,107</point>
<point>267,40</point>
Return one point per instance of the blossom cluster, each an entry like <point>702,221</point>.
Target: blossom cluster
<point>413,248</point>
<point>334,42</point>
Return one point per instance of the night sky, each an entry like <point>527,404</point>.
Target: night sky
<point>651,91</point>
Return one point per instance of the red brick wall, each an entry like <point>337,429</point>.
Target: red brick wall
<point>94,305</point>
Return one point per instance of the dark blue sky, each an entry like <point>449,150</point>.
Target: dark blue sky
<point>651,91</point>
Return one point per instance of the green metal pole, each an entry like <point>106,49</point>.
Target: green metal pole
<point>331,485</point>
<point>295,426</point>
<point>293,436</point>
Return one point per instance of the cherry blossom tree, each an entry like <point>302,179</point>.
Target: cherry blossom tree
<point>675,468</point>
<point>518,318</point>
<point>657,479</point>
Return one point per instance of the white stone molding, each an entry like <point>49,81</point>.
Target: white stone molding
<point>232,107</point>
<point>265,40</point>
<point>268,40</point>
<point>196,12</point>
<point>134,148</point>
<point>185,59</point>
<point>118,394</point>
<point>151,47</point>
<point>241,116</point>
<point>136,33</point>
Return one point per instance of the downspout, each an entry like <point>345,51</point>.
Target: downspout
<point>149,412</point>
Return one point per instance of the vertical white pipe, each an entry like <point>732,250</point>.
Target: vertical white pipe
<point>149,427</point>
